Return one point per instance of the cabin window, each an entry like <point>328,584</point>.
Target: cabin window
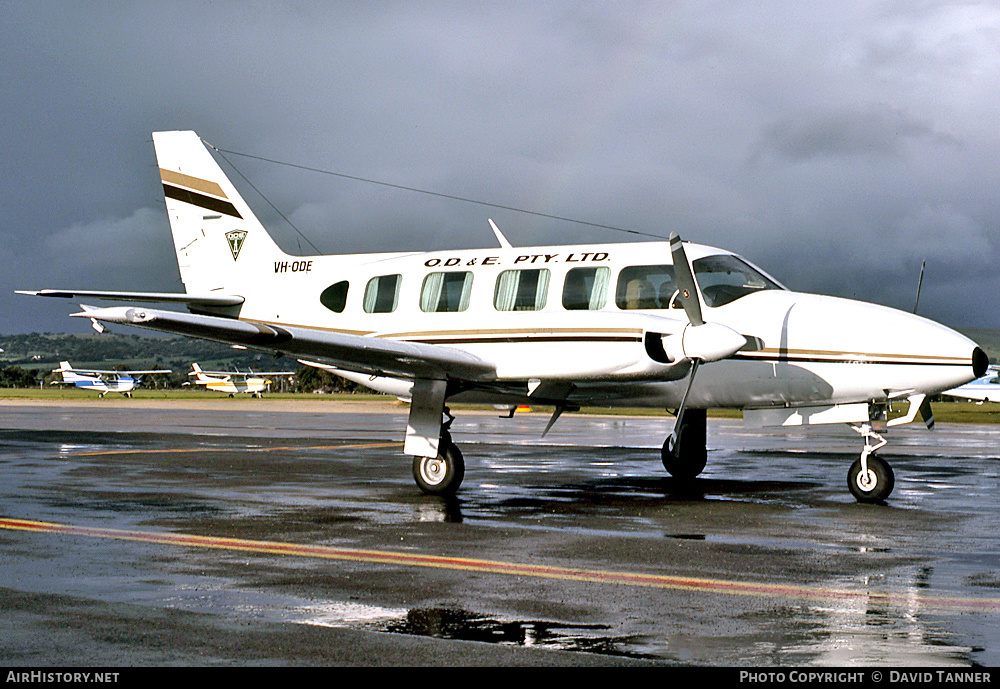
<point>586,289</point>
<point>446,292</point>
<point>521,290</point>
<point>646,287</point>
<point>725,278</point>
<point>334,297</point>
<point>382,294</point>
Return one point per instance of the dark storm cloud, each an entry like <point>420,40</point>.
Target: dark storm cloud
<point>874,131</point>
<point>838,144</point>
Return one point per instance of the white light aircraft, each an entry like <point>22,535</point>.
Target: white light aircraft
<point>983,389</point>
<point>101,381</point>
<point>667,325</point>
<point>235,382</point>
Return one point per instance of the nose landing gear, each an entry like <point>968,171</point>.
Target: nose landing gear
<point>870,478</point>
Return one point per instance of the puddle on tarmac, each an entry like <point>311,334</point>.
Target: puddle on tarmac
<point>461,625</point>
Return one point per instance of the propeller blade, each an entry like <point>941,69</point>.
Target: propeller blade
<point>672,438</point>
<point>685,281</point>
<point>926,413</point>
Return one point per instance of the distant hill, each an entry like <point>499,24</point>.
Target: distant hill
<point>28,360</point>
<point>987,338</point>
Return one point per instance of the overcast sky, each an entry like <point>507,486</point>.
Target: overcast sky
<point>836,144</point>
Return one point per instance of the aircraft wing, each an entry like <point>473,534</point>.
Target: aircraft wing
<point>98,372</point>
<point>243,374</point>
<point>360,353</point>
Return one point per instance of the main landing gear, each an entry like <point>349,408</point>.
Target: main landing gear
<point>443,474</point>
<point>685,451</point>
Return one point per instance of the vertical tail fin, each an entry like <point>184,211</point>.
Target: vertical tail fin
<point>199,375</point>
<point>68,374</point>
<point>220,244</point>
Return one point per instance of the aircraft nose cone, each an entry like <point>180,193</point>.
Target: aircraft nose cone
<point>980,362</point>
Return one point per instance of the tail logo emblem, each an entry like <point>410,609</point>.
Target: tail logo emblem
<point>235,239</point>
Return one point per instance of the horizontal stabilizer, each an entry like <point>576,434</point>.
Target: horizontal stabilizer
<point>157,297</point>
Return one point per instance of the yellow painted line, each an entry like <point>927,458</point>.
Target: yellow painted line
<point>230,448</point>
<point>516,569</point>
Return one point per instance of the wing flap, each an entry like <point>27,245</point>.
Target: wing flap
<point>360,353</point>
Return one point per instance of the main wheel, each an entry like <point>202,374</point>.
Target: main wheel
<point>873,486</point>
<point>441,475</point>
<point>686,456</point>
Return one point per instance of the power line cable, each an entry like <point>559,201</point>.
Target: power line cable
<point>424,191</point>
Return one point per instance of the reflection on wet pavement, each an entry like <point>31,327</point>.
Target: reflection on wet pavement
<point>912,583</point>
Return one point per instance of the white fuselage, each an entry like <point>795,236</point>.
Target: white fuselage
<point>806,349</point>
<point>984,389</point>
<point>234,386</point>
<point>122,383</point>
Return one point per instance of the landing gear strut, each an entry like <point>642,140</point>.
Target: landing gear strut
<point>870,478</point>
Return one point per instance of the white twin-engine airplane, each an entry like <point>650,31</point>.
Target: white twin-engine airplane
<point>101,381</point>
<point>983,389</point>
<point>235,382</point>
<point>677,326</point>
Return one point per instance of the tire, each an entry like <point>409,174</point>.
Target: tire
<point>441,475</point>
<point>876,486</point>
<point>686,458</point>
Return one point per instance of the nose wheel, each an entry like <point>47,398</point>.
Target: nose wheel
<point>870,478</point>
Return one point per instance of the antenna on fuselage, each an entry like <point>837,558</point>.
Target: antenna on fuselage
<point>500,238</point>
<point>920,283</point>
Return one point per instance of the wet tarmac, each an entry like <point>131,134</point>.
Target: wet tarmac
<point>247,533</point>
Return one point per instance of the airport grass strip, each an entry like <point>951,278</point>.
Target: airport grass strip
<point>665,581</point>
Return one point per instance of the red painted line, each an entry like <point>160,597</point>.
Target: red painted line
<point>718,586</point>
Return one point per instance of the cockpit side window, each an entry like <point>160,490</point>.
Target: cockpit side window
<point>725,278</point>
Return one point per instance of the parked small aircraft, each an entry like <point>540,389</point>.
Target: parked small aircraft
<point>666,325</point>
<point>235,382</point>
<point>983,389</point>
<point>102,381</point>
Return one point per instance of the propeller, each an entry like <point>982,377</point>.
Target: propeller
<point>687,287</point>
<point>699,342</point>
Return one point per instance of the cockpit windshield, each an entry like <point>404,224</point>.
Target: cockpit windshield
<point>725,278</point>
